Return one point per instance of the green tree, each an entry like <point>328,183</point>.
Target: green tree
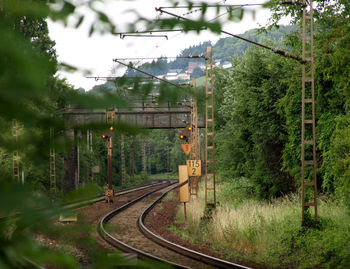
<point>255,129</point>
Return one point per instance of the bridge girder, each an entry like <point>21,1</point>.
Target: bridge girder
<point>144,117</point>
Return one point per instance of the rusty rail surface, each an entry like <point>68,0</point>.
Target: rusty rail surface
<point>123,246</point>
<point>218,263</point>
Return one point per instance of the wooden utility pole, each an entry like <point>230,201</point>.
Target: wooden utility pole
<point>308,141</point>
<point>210,191</point>
<point>52,162</point>
<point>15,153</point>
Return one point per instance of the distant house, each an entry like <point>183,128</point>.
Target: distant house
<point>226,65</point>
<point>193,65</point>
<point>217,62</point>
<point>171,76</point>
<point>174,71</point>
<point>183,76</point>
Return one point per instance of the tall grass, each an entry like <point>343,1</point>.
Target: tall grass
<point>270,233</point>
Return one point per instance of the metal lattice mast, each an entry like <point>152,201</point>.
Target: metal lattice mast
<point>122,153</point>
<point>194,141</point>
<point>308,143</point>
<point>210,192</point>
<point>15,153</point>
<point>52,162</point>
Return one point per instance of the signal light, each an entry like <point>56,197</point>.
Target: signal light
<point>104,137</point>
<point>186,133</point>
<point>111,128</point>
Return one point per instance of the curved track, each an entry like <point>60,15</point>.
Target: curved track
<point>216,262</point>
<point>127,237</point>
<point>86,202</point>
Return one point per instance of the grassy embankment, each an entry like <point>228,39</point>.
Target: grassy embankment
<point>269,233</point>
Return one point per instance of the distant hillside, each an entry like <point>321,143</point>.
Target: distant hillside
<point>224,50</point>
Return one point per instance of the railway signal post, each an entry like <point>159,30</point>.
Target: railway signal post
<point>108,136</point>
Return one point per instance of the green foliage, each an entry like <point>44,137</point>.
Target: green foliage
<point>337,161</point>
<point>31,94</point>
<point>249,108</point>
<point>259,108</point>
<point>246,230</point>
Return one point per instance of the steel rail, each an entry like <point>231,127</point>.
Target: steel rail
<point>218,263</point>
<point>110,239</point>
<point>117,194</point>
<point>81,203</point>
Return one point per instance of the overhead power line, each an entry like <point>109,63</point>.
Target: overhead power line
<point>165,57</point>
<point>277,51</point>
<point>111,78</point>
<point>146,73</point>
<point>152,31</point>
<point>216,6</point>
<point>140,35</point>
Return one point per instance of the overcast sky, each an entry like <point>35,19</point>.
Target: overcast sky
<point>96,53</point>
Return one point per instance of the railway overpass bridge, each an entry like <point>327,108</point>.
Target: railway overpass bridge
<point>147,115</point>
<point>144,115</point>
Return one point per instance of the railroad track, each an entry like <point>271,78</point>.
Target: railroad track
<point>79,204</point>
<point>210,260</point>
<point>127,232</point>
<point>86,202</point>
<point>83,203</point>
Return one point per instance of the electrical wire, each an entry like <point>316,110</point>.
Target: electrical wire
<point>165,57</point>
<point>216,6</point>
<point>146,73</point>
<point>277,51</point>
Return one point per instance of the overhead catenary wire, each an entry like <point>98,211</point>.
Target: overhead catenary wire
<point>154,77</point>
<point>170,30</point>
<point>277,51</point>
<point>146,73</point>
<point>152,31</point>
<point>216,6</point>
<point>112,78</point>
<point>162,57</point>
<point>122,36</point>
